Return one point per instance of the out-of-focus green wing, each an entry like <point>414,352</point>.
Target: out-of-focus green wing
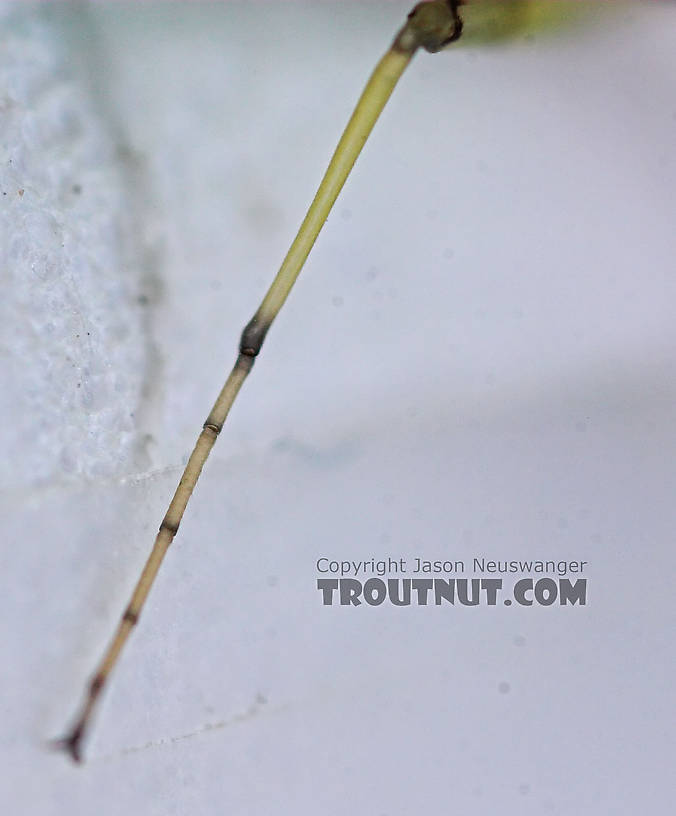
<point>497,21</point>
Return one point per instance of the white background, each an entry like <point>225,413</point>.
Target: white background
<point>477,361</point>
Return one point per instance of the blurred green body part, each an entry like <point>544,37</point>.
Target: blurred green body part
<point>489,22</point>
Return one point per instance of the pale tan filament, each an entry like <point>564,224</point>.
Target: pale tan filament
<point>431,25</point>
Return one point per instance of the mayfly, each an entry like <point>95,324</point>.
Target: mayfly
<point>433,26</point>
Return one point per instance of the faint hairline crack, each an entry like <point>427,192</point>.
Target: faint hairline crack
<point>257,707</point>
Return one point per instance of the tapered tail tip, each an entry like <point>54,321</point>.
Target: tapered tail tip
<point>71,744</point>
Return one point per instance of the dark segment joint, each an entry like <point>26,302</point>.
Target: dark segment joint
<point>130,617</point>
<point>96,684</point>
<point>457,26</point>
<point>213,427</point>
<point>252,338</point>
<point>171,528</point>
<point>431,25</point>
